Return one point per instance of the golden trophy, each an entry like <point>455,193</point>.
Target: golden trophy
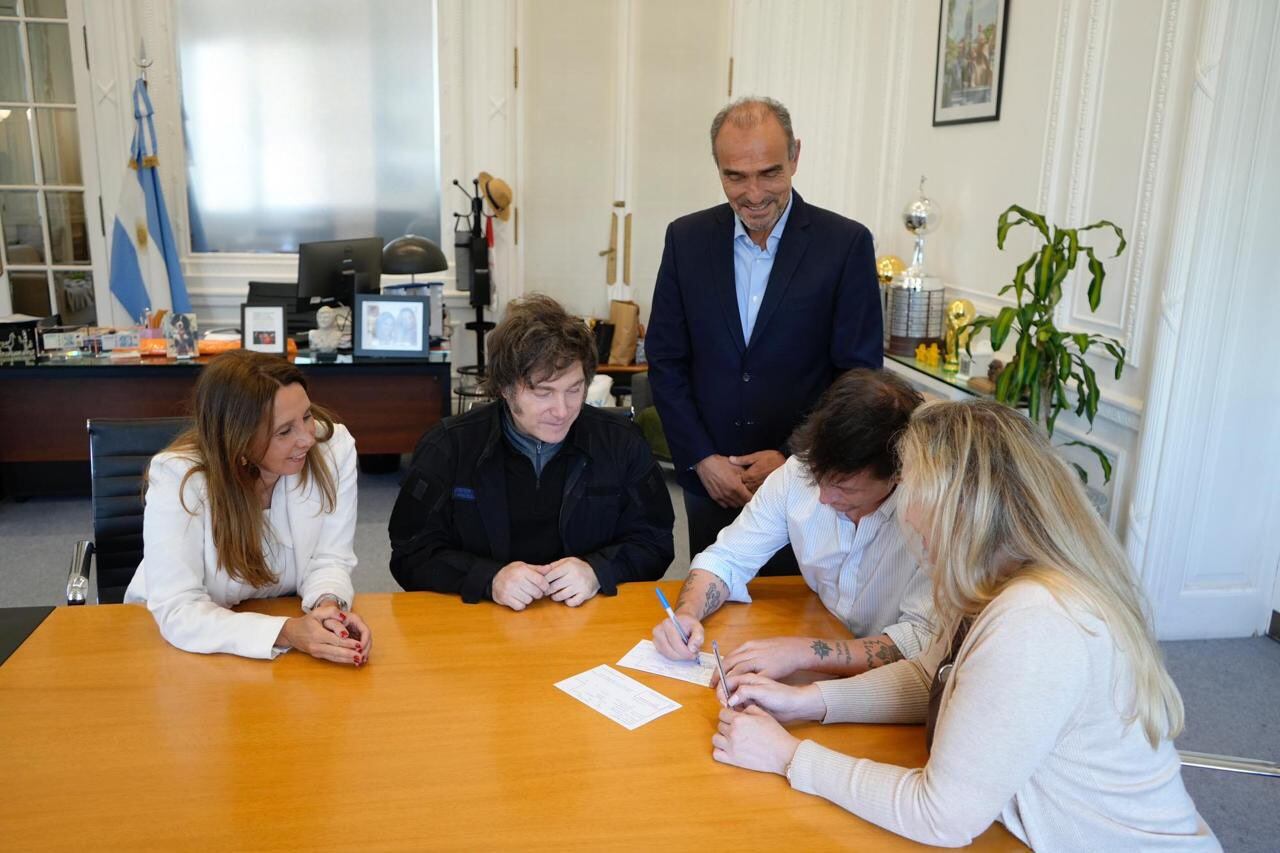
<point>959,314</point>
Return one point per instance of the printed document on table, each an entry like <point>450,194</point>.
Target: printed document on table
<point>646,658</point>
<point>624,700</point>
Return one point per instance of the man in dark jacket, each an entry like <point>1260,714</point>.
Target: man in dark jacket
<point>534,495</point>
<point>759,305</point>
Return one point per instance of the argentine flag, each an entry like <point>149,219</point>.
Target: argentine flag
<point>145,272</point>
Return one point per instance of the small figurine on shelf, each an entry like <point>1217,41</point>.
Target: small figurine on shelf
<point>988,385</point>
<point>959,314</point>
<point>929,355</point>
<point>325,337</point>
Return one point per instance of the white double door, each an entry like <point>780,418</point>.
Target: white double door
<point>616,101</point>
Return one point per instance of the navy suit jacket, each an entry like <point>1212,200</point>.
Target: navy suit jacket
<point>821,315</point>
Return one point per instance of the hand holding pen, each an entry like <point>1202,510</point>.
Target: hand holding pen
<point>679,636</point>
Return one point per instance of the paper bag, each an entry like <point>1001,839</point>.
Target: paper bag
<point>625,317</point>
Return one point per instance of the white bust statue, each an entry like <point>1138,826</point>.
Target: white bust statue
<point>325,337</point>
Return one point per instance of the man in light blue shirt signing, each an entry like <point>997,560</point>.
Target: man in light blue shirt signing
<point>835,503</point>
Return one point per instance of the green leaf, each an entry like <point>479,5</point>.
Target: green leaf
<point>1105,223</point>
<point>1000,330</point>
<point>1097,273</point>
<point>1118,353</point>
<point>1073,247</point>
<point>1002,384</point>
<point>1081,341</point>
<point>1033,402</point>
<point>1025,216</point>
<point>1020,274</point>
<point>1044,273</point>
<point>1091,384</point>
<point>1103,460</point>
<point>1081,473</point>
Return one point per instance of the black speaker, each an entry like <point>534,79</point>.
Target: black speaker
<point>481,291</point>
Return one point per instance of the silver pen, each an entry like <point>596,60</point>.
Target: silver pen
<point>724,685</point>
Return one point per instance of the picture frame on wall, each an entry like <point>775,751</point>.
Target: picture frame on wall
<point>969,72</point>
<point>262,328</point>
<point>389,326</point>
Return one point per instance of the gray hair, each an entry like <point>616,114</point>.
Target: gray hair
<point>747,112</point>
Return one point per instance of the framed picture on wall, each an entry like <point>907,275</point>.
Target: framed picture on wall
<point>969,75</point>
<point>391,326</point>
<point>262,328</point>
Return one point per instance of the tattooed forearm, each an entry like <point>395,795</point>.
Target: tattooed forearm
<point>702,594</point>
<point>880,652</point>
<point>715,594</point>
<point>686,593</point>
<point>843,655</point>
<point>820,648</point>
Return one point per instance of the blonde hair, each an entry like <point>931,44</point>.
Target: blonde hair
<point>992,494</point>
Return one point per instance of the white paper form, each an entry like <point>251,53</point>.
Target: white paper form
<point>624,700</point>
<point>646,658</point>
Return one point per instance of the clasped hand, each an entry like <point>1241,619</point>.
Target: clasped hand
<point>329,633</point>
<point>750,733</point>
<point>568,580</point>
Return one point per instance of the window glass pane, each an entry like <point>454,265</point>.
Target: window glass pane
<point>73,292</point>
<point>301,129</point>
<point>51,63</point>
<point>12,76</point>
<point>46,8</point>
<point>68,235</point>
<point>59,146</point>
<point>30,293</point>
<point>8,7</point>
<point>23,238</point>
<point>15,147</point>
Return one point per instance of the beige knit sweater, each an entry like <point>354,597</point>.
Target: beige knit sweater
<point>1030,733</point>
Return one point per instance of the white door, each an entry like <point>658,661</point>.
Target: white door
<point>1203,525</point>
<point>617,99</point>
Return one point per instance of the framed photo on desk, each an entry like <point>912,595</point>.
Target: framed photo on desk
<point>391,326</point>
<point>262,328</point>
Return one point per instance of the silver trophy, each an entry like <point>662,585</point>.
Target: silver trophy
<point>913,302</point>
<point>920,217</point>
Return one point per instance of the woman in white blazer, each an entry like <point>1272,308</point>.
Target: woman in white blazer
<point>1045,701</point>
<point>256,500</point>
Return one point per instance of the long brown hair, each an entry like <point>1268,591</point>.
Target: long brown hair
<point>993,492</point>
<point>234,406</point>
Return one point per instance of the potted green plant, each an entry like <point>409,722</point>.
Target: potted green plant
<point>1047,360</point>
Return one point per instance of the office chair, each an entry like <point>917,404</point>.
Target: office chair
<point>119,452</point>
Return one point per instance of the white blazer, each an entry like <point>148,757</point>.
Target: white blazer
<point>187,592</point>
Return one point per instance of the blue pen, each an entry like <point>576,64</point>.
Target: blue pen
<point>667,607</point>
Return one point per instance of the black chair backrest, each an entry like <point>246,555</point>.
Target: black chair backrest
<point>119,452</point>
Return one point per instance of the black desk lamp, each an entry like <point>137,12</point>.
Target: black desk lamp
<point>410,255</point>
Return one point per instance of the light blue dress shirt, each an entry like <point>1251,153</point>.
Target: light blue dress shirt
<point>751,268</point>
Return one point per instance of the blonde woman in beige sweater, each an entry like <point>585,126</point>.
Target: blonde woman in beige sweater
<point>1051,710</point>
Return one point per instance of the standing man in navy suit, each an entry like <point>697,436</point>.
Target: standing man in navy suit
<point>760,303</point>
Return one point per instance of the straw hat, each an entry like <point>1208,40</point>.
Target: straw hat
<point>497,193</point>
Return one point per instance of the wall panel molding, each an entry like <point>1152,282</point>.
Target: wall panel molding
<point>1151,219</point>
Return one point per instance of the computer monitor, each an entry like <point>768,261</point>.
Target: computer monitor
<point>336,270</point>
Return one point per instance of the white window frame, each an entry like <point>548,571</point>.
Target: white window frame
<point>90,187</point>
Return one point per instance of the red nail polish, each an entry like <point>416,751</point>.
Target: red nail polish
<point>342,616</point>
<point>344,635</point>
<point>358,660</point>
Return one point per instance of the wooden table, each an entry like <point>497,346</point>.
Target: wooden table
<point>453,737</point>
<point>386,403</point>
